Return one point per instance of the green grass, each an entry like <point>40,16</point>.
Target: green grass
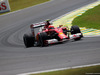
<point>78,71</point>
<point>20,4</point>
<point>89,19</point>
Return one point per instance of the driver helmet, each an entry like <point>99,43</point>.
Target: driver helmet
<point>48,22</point>
<point>51,27</point>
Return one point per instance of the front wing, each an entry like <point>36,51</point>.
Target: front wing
<point>72,37</point>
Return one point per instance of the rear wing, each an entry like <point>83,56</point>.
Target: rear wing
<point>37,25</point>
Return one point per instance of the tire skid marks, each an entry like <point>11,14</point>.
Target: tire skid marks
<point>10,37</point>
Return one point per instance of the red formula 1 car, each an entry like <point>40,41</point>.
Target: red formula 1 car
<point>50,35</point>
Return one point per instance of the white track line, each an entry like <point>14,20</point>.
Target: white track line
<point>52,21</point>
<point>59,69</point>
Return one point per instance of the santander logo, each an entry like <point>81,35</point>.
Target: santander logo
<point>4,6</point>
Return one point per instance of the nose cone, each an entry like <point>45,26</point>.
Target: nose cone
<point>62,35</point>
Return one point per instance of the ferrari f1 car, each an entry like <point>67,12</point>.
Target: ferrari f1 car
<point>51,35</point>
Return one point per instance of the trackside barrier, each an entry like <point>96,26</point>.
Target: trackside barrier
<point>4,6</point>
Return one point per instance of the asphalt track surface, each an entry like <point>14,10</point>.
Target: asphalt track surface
<point>16,59</point>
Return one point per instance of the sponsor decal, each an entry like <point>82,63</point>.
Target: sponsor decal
<point>4,6</point>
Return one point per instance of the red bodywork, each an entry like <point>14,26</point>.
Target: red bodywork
<point>54,34</point>
<point>57,30</point>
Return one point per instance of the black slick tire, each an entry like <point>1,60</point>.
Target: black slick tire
<point>74,30</point>
<point>42,37</point>
<point>28,40</point>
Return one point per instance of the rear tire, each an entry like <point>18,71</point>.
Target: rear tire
<point>28,40</point>
<point>42,37</point>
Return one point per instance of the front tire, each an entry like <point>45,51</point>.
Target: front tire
<point>74,30</point>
